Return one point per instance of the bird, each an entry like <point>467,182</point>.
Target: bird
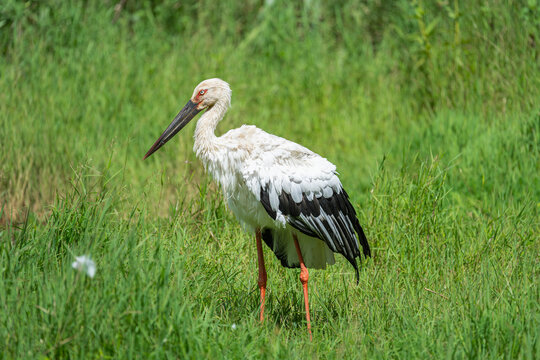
<point>288,196</point>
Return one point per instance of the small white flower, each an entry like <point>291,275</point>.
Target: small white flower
<point>233,326</point>
<point>84,263</point>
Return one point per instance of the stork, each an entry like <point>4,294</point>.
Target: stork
<point>289,196</point>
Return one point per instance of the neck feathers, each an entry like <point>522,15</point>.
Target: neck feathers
<point>205,138</point>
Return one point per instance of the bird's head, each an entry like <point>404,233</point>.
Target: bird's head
<point>209,93</point>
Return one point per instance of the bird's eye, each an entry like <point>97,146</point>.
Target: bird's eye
<point>202,92</point>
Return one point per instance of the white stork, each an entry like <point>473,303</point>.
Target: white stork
<point>288,195</point>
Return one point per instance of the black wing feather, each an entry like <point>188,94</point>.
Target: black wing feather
<point>315,218</point>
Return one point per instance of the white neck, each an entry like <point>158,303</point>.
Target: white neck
<point>205,139</point>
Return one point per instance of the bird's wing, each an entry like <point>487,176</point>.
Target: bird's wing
<point>301,188</point>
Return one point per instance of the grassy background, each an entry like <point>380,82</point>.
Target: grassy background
<point>429,110</point>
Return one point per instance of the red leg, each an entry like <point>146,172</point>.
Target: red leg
<point>262,271</point>
<point>304,277</point>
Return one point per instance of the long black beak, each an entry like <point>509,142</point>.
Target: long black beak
<point>184,116</point>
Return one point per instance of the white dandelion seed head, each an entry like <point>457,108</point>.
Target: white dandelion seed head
<point>84,263</point>
<point>233,326</point>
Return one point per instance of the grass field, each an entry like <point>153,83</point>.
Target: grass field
<point>430,112</point>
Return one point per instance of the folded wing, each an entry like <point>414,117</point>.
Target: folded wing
<point>299,187</point>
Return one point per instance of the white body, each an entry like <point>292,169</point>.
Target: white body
<point>243,159</point>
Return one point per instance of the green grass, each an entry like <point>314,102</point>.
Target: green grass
<point>430,112</point>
